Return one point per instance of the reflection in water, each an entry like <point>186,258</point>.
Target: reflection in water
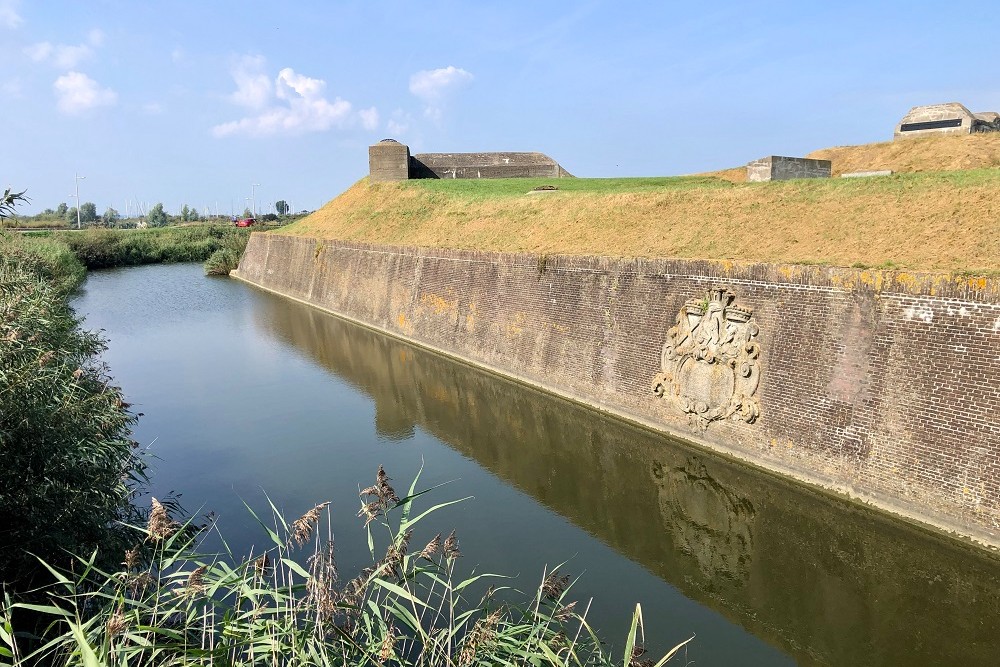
<point>826,581</point>
<point>708,521</point>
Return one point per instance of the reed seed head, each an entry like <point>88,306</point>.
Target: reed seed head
<point>451,547</point>
<point>116,623</point>
<point>160,525</point>
<point>554,585</point>
<point>131,558</point>
<point>302,528</point>
<point>432,549</point>
<point>564,613</point>
<point>195,581</point>
<point>386,651</point>
<point>262,565</point>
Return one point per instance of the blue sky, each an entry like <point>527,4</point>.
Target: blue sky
<point>192,102</point>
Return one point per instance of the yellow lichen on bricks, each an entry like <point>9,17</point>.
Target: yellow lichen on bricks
<point>439,304</point>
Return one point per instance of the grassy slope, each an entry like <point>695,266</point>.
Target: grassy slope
<point>935,220</point>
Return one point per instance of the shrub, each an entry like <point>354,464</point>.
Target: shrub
<point>68,470</point>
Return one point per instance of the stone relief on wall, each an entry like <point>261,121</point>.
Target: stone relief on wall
<point>710,365</point>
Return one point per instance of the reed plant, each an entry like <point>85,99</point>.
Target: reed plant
<point>289,604</point>
<point>69,466</point>
<point>99,248</point>
<point>227,258</point>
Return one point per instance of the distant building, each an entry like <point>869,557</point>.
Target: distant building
<point>389,160</point>
<point>948,118</point>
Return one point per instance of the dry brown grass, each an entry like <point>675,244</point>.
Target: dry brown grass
<point>931,221</point>
<point>943,153</point>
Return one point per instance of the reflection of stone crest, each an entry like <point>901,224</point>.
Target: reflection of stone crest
<point>709,365</point>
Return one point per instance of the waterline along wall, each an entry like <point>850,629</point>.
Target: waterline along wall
<point>875,383</point>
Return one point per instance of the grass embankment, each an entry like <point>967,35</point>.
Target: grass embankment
<point>942,221</point>
<point>911,155</point>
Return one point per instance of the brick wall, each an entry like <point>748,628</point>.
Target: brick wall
<point>881,384</point>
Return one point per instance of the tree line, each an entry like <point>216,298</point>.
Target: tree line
<point>156,216</point>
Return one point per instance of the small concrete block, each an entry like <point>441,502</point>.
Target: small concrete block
<point>864,174</point>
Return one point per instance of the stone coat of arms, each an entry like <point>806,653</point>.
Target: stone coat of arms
<point>710,366</point>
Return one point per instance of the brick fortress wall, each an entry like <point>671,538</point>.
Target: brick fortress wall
<point>880,384</point>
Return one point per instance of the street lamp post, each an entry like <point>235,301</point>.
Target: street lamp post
<point>253,202</point>
<point>76,179</point>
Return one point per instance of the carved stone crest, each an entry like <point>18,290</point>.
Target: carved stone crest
<point>710,361</point>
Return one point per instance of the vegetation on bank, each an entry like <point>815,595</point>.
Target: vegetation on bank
<point>69,469</point>
<point>931,220</point>
<point>100,248</point>
<point>289,604</point>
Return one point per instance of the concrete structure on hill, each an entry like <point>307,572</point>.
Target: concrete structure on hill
<point>948,118</point>
<point>780,168</point>
<point>389,160</point>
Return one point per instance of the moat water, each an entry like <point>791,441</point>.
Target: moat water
<point>246,393</point>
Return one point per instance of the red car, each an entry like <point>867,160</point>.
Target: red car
<point>245,222</point>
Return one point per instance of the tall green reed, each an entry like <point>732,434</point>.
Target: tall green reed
<point>291,605</point>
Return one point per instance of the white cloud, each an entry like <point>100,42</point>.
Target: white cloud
<point>399,124</point>
<point>64,56</point>
<point>38,52</point>
<point>152,108</point>
<point>77,92</point>
<point>293,104</point>
<point>432,85</point>
<point>253,86</point>
<point>290,84</point>
<point>369,118</point>
<point>9,18</point>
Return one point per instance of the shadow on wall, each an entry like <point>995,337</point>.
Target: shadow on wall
<point>795,567</point>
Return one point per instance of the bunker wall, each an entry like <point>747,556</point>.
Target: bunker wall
<point>779,168</point>
<point>875,383</point>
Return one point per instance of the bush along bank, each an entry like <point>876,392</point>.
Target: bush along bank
<point>69,468</point>
<point>106,248</point>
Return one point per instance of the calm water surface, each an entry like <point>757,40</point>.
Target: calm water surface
<point>244,393</point>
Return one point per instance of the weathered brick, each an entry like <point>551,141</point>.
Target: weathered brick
<point>885,383</point>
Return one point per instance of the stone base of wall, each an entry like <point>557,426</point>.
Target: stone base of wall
<point>881,385</point>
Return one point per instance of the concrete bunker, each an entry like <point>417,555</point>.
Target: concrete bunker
<point>389,160</point>
<point>947,118</point>
<point>781,168</point>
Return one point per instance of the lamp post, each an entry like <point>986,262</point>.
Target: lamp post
<point>76,180</point>
<point>253,202</point>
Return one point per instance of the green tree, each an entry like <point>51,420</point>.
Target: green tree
<point>185,213</point>
<point>247,213</point>
<point>193,215</point>
<point>157,217</point>
<point>71,215</point>
<point>88,212</point>
<point>62,210</point>
<point>281,206</point>
<point>110,217</point>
